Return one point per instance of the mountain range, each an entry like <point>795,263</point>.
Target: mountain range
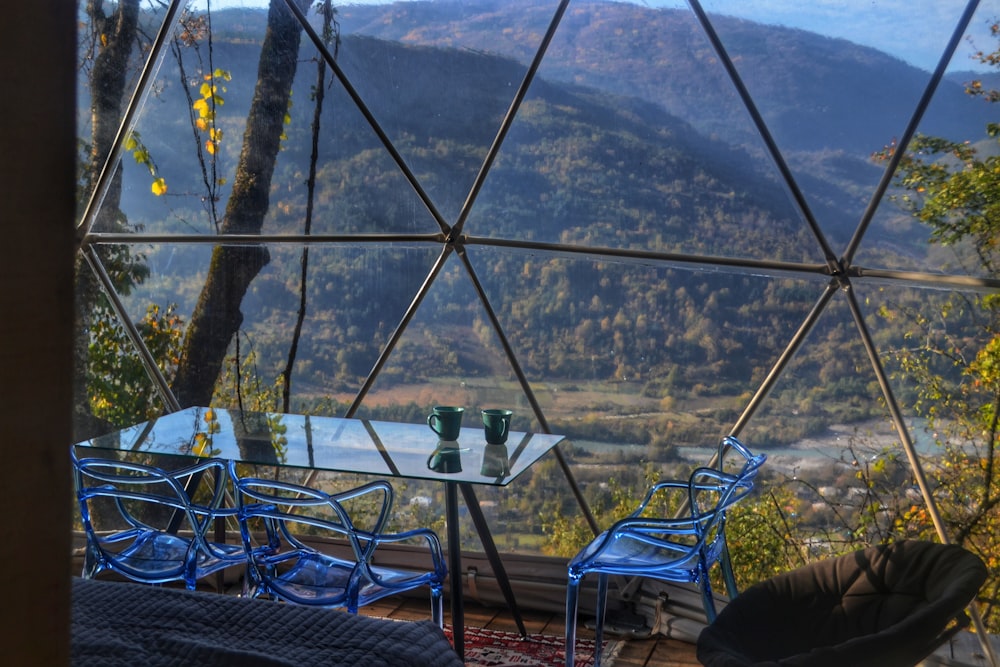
<point>828,104</point>
<point>631,136</point>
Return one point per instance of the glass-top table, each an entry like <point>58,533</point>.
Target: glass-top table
<point>381,448</point>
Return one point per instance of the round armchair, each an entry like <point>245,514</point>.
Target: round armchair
<point>885,606</point>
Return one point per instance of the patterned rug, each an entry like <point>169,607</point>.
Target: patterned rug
<point>492,648</point>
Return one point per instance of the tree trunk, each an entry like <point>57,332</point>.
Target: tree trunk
<point>117,34</point>
<point>218,316</point>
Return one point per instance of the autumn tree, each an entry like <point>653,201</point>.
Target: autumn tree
<point>217,316</point>
<point>107,49</point>
<point>952,362</point>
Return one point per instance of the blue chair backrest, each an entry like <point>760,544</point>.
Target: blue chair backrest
<point>132,500</point>
<point>137,490</point>
<point>284,511</point>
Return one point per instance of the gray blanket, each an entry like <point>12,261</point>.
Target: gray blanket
<point>129,624</point>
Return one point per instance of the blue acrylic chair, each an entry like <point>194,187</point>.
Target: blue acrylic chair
<point>141,521</point>
<point>681,548</point>
<point>292,569</point>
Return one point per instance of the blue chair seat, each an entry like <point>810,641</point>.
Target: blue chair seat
<point>314,578</point>
<point>276,516</point>
<point>161,556</point>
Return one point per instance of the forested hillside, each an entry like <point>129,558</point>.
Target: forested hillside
<point>829,103</point>
<point>601,155</point>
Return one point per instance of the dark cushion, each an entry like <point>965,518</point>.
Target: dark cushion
<point>117,624</point>
<point>877,607</point>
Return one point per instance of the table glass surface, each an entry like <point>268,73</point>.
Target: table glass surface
<point>336,444</point>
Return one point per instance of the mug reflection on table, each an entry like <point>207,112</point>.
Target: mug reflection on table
<point>446,458</point>
<point>495,462</point>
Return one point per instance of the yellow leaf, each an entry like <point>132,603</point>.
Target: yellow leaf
<point>201,124</point>
<point>159,186</point>
<point>206,90</point>
<point>201,446</point>
<point>210,146</point>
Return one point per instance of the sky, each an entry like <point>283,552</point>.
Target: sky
<point>913,30</point>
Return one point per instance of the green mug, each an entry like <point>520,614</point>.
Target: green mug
<point>446,421</point>
<point>496,424</point>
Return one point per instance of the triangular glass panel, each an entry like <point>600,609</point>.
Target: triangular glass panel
<point>438,80</point>
<point>957,120</point>
<point>829,92</point>
<point>352,303</point>
<point>180,178</point>
<point>114,47</point>
<point>612,148</point>
<point>936,348</point>
<point>636,359</point>
<point>448,354</point>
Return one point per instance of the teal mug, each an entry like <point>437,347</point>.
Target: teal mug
<point>496,424</point>
<point>446,421</point>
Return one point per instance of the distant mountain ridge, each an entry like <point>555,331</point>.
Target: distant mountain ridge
<point>828,103</point>
<point>824,93</point>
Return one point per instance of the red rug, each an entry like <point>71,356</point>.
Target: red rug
<point>491,648</point>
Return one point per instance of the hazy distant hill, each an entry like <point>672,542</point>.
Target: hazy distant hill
<point>823,93</point>
<point>829,103</point>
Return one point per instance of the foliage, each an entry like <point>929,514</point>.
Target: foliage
<point>241,384</point>
<point>764,535</point>
<point>567,533</point>
<point>140,153</point>
<point>119,384</point>
<point>195,37</point>
<point>954,354</point>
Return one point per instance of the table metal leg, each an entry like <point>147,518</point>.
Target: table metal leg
<point>455,569</point>
<point>490,547</point>
<point>220,537</point>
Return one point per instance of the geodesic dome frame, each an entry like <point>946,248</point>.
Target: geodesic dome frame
<point>469,235</point>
